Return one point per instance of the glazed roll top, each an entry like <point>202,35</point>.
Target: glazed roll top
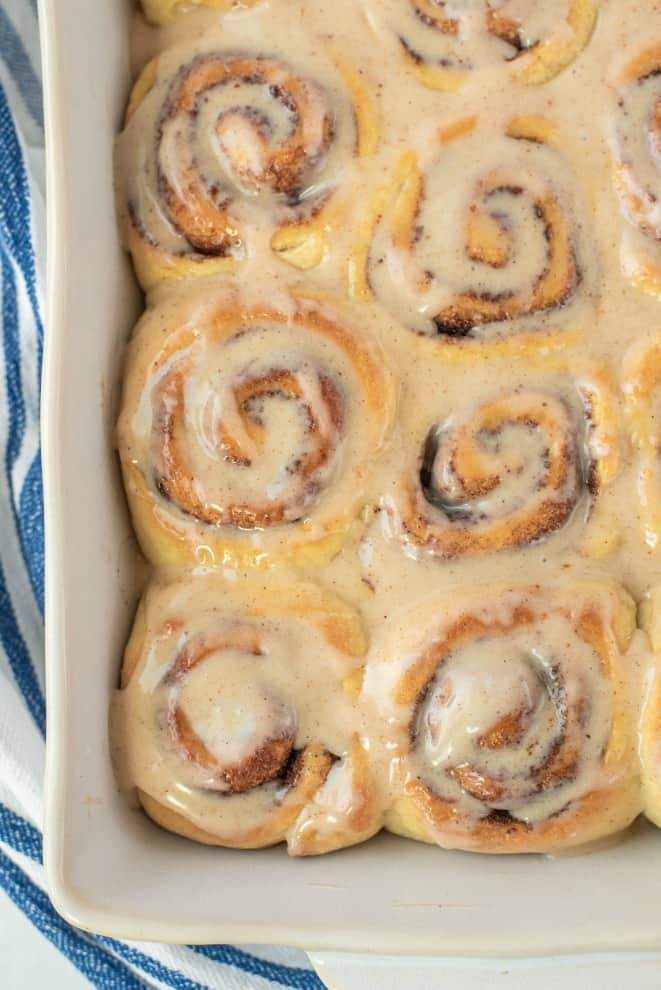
<point>635,138</point>
<point>510,719</point>
<point>388,346</point>
<point>232,721</point>
<point>229,149</point>
<point>509,470</point>
<point>162,11</point>
<point>501,254</point>
<point>247,428</point>
<point>445,43</point>
<point>642,386</point>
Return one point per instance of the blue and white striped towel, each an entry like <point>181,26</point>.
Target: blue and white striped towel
<point>106,963</point>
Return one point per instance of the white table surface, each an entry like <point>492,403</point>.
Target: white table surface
<point>27,960</point>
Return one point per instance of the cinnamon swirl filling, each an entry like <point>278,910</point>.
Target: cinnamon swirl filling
<point>226,150</point>
<point>239,432</point>
<point>245,430</point>
<point>268,751</point>
<point>509,473</point>
<point>636,153</point>
<point>504,259</point>
<point>219,720</point>
<point>271,128</point>
<point>514,721</point>
<point>444,42</point>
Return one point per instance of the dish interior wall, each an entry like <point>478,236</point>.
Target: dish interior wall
<point>109,868</point>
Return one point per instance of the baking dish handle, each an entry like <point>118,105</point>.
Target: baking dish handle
<point>345,971</point>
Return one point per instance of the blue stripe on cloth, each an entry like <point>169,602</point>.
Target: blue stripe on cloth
<point>11,349</point>
<point>287,976</point>
<point>151,967</point>
<point>15,213</point>
<point>16,247</point>
<point>100,968</point>
<point>107,963</point>
<point>23,838</point>
<point>19,659</point>
<point>31,522</point>
<point>18,62</point>
<point>16,832</point>
<point>32,555</point>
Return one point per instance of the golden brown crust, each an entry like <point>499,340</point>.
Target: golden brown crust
<point>313,770</point>
<point>312,767</point>
<point>312,837</point>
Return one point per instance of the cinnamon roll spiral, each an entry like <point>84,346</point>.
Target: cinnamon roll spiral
<point>636,150</point>
<point>226,151</point>
<point>509,719</point>
<point>500,261</point>
<point>247,428</point>
<point>510,471</point>
<point>642,387</point>
<point>444,43</point>
<point>232,722</point>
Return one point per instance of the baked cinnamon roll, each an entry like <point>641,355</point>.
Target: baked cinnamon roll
<point>232,722</point>
<point>228,150</point>
<point>500,260</point>
<point>636,149</point>
<point>444,43</point>
<point>509,719</point>
<point>247,428</point>
<point>642,388</point>
<point>509,470</point>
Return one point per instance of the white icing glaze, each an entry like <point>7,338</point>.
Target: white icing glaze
<point>247,667</point>
<point>385,577</point>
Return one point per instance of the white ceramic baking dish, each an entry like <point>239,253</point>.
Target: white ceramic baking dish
<point>109,869</point>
